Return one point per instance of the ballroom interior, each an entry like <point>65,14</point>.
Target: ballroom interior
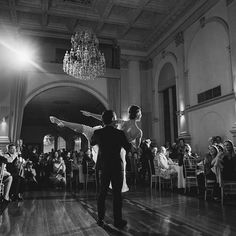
<point>176,59</point>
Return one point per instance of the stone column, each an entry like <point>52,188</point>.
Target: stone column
<point>182,89</point>
<point>134,82</point>
<point>130,83</point>
<point>231,7</point>
<point>124,87</point>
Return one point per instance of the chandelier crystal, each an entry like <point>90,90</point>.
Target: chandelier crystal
<point>84,61</point>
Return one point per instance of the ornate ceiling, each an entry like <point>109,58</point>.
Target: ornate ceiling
<point>133,24</point>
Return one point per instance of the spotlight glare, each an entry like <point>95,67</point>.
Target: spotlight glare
<point>24,56</point>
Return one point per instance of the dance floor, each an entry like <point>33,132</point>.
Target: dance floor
<point>62,213</point>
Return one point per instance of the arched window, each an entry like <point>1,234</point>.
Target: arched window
<point>77,145</point>
<point>48,143</point>
<point>61,143</point>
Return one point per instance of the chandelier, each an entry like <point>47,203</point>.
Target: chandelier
<point>84,61</point>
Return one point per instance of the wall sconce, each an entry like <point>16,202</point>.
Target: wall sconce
<point>180,113</point>
<point>4,121</point>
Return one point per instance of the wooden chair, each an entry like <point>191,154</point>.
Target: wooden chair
<point>91,175</point>
<point>209,186</point>
<point>190,172</point>
<point>133,172</point>
<point>154,178</point>
<point>228,187</point>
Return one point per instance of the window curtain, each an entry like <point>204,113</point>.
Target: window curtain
<point>114,98</point>
<point>18,96</point>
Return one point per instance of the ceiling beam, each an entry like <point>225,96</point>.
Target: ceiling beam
<point>45,8</point>
<point>106,12</point>
<point>12,8</point>
<point>134,17</point>
<point>160,27</point>
<point>71,24</point>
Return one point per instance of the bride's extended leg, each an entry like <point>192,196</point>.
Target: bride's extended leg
<point>80,128</point>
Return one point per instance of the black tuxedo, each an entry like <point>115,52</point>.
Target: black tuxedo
<point>110,141</point>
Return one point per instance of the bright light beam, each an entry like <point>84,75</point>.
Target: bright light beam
<point>22,56</point>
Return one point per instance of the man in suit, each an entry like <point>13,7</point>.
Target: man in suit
<point>110,141</point>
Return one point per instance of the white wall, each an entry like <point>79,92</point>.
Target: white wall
<point>210,121</point>
<point>209,61</point>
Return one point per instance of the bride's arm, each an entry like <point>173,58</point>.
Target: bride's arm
<point>96,116</point>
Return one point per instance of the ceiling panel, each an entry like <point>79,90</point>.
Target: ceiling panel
<point>113,19</point>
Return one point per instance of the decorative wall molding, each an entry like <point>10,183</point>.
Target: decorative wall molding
<point>146,65</point>
<point>179,38</point>
<point>163,54</point>
<point>186,22</point>
<point>202,22</point>
<point>124,63</point>
<point>186,74</point>
<point>228,2</point>
<point>211,102</point>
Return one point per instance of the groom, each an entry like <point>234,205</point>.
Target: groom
<point>110,141</point>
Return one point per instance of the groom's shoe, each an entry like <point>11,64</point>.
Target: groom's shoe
<point>120,224</point>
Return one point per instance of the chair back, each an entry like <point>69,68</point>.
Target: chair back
<point>190,167</point>
<point>91,175</point>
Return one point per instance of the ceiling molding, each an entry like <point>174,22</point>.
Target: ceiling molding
<point>185,22</point>
<point>12,5</point>
<point>134,17</point>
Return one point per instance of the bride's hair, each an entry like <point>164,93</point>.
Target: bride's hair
<point>133,111</point>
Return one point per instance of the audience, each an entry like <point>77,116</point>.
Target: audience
<point>37,168</point>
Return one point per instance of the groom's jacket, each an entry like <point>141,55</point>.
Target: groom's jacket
<point>110,141</point>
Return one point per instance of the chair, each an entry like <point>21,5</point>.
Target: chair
<point>1,179</point>
<point>133,172</point>
<point>209,186</point>
<point>69,174</point>
<point>228,187</point>
<point>90,175</point>
<point>154,178</point>
<point>190,172</point>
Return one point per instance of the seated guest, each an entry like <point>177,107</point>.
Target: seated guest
<point>30,175</point>
<point>58,176</point>
<point>173,153</point>
<point>164,165</point>
<point>209,161</point>
<point>218,140</point>
<point>11,156</point>
<point>7,179</point>
<point>229,161</point>
<point>188,155</point>
<point>180,151</point>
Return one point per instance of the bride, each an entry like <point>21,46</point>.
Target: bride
<point>130,128</point>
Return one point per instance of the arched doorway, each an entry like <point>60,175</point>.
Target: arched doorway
<point>61,143</point>
<point>64,102</point>
<point>168,102</point>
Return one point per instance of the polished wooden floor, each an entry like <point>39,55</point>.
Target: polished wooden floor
<point>62,213</point>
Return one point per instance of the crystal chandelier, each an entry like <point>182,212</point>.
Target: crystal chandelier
<point>84,61</point>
